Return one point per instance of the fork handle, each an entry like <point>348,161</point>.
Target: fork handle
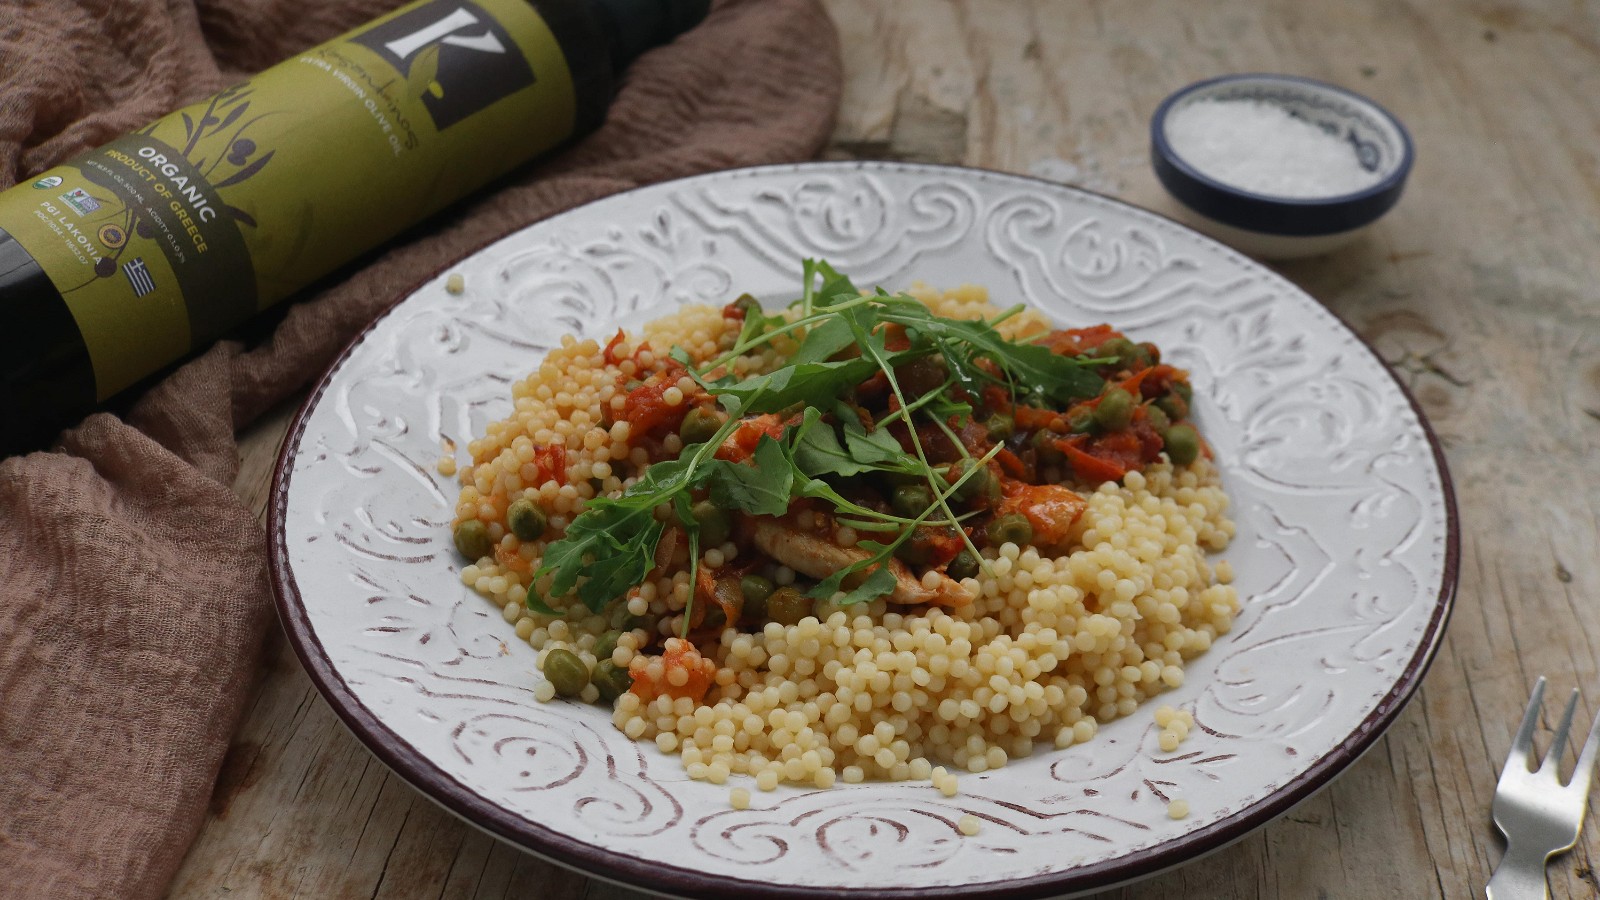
<point>1520,875</point>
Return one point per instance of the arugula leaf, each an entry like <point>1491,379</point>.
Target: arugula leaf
<point>808,285</point>
<point>877,448</point>
<point>945,409</point>
<point>763,489</point>
<point>756,322</point>
<point>661,480</point>
<point>850,315</point>
<point>1035,368</point>
<point>822,342</point>
<point>612,576</point>
<point>680,506</point>
<point>691,525</point>
<point>813,384</point>
<point>809,419</point>
<point>613,541</point>
<point>619,540</point>
<point>817,489</point>
<point>537,605</point>
<point>865,525</point>
<point>882,580</point>
<point>819,452</point>
<point>806,486</point>
<point>879,583</point>
<point>833,283</point>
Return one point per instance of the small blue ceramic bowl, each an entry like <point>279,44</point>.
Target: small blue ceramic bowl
<point>1287,227</point>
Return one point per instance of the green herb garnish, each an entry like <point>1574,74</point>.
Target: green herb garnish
<point>610,547</point>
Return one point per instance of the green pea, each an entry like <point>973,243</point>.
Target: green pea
<point>565,672</point>
<point>623,620</point>
<point>1152,353</point>
<point>787,606</point>
<point>620,615</point>
<point>1080,420</point>
<point>1138,359</point>
<point>965,565</point>
<point>1173,405</point>
<point>952,474</point>
<point>1119,347</point>
<point>472,539</point>
<point>754,612</point>
<point>1044,445</point>
<point>1000,426</point>
<point>612,680</point>
<point>1157,419</point>
<point>1182,444</point>
<point>746,305</point>
<point>699,425</point>
<point>526,519</point>
<point>918,549</point>
<point>1011,527</point>
<point>1115,410</point>
<point>1185,390</point>
<point>756,590</point>
<point>715,523</point>
<point>991,487</point>
<point>910,500</point>
<point>982,484</point>
<point>606,644</point>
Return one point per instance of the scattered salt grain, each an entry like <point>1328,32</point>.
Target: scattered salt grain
<point>1260,147</point>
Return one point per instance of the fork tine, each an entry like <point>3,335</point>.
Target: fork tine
<point>1584,769</point>
<point>1558,744</point>
<point>1522,744</point>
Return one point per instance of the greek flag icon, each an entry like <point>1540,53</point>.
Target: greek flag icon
<point>138,276</point>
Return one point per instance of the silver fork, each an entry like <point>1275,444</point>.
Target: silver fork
<point>1538,815</point>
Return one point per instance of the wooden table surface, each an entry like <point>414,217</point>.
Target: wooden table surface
<point>1480,289</point>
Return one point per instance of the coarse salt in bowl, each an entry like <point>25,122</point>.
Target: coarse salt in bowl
<point>1277,165</point>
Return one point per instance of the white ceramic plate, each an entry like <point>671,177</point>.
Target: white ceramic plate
<point>1345,557</point>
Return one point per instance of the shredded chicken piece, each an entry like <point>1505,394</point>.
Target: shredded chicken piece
<point>816,557</point>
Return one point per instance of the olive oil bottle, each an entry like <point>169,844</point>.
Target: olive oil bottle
<point>127,258</point>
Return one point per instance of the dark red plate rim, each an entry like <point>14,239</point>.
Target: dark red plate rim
<point>423,774</point>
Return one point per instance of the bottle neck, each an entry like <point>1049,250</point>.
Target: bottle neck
<point>631,27</point>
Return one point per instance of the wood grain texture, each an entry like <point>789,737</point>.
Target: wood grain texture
<point>1480,289</point>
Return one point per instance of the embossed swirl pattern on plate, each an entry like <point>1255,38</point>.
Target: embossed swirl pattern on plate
<point>1340,552</point>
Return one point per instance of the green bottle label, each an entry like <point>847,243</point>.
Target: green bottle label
<point>163,239</point>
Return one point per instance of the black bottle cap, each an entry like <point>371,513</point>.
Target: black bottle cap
<point>634,26</point>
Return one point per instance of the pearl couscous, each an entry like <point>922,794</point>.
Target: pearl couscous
<point>1034,641</point>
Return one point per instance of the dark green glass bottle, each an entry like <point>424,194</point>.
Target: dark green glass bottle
<point>117,263</point>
